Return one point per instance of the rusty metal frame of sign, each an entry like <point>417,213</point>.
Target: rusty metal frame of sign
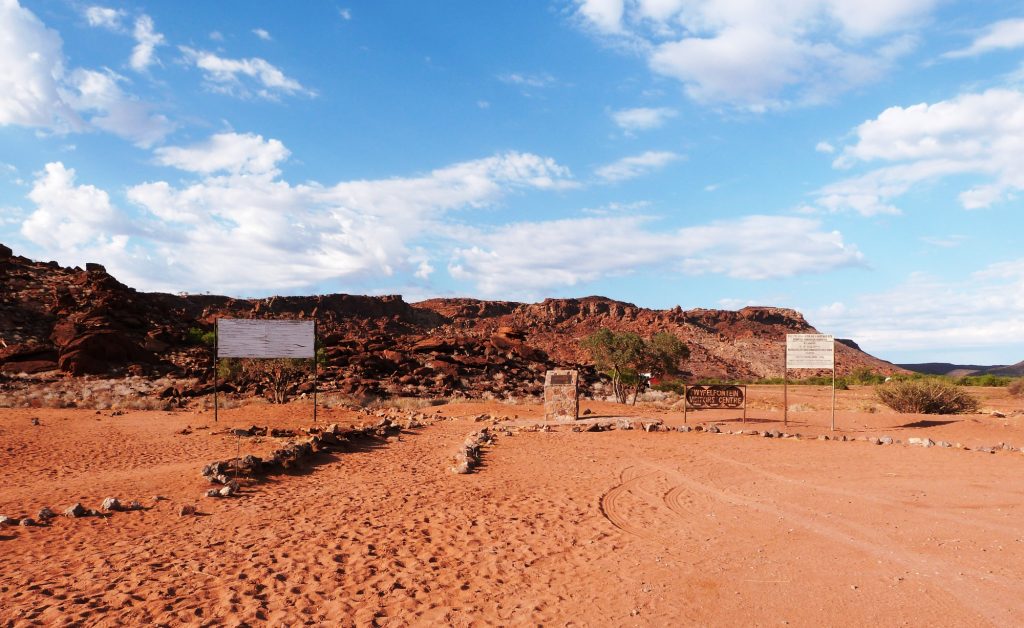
<point>716,396</point>
<point>249,338</point>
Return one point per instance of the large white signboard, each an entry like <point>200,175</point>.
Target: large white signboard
<point>248,338</point>
<point>810,351</point>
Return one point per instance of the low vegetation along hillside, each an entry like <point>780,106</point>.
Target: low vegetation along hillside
<point>85,322</point>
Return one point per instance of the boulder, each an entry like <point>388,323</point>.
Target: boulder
<point>96,352</point>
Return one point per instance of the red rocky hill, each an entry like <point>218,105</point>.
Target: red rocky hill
<point>86,322</point>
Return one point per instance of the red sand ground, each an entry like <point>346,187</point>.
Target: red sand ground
<point>558,528</point>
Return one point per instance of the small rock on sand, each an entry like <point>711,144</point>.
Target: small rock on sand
<point>186,510</point>
<point>75,510</point>
<point>8,521</point>
<point>45,514</point>
<point>111,503</point>
<point>27,522</point>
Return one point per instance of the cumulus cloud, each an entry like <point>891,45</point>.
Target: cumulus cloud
<point>534,257</point>
<point>980,135</point>
<point>226,75</point>
<point>1004,35</point>
<point>146,41</point>
<point>68,216</point>
<point>104,17</point>
<point>238,227</point>
<point>636,165</point>
<point>984,310</point>
<point>229,152</point>
<point>262,34</point>
<point>642,118</point>
<point>37,91</point>
<point>761,55</point>
<point>33,68</point>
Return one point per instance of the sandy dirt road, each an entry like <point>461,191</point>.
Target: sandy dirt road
<point>554,528</point>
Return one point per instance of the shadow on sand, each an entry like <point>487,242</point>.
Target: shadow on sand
<point>927,423</point>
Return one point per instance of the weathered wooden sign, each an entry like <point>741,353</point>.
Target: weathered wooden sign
<point>249,338</point>
<point>715,396</point>
<point>810,351</point>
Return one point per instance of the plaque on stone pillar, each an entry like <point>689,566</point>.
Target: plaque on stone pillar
<point>561,396</point>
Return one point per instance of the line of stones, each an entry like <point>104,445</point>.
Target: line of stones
<point>468,455</point>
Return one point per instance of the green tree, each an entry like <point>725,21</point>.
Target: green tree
<point>625,357</point>
<point>279,376</point>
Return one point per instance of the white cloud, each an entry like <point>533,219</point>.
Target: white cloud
<point>642,118</point>
<point>535,257</point>
<point>98,94</point>
<point>104,17</point>
<point>636,165</point>
<point>262,34</point>
<point>947,242</point>
<point>216,36</point>
<point>68,217</point>
<point>527,80</point>
<point>229,152</point>
<point>825,147</point>
<point>1004,35</point>
<point>345,14</point>
<point>761,55</point>
<point>930,313</point>
<point>146,41</point>
<point>606,15</point>
<point>37,91</point>
<point>33,66</point>
<point>223,75</point>
<point>239,228</point>
<point>980,135</point>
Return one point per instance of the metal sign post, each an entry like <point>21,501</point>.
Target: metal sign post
<point>316,371</point>
<point>216,363</point>
<point>809,351</point>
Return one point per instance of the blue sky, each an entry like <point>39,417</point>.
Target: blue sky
<point>859,161</point>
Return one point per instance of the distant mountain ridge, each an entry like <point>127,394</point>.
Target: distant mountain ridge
<point>962,370</point>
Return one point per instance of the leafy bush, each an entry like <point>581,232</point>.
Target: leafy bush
<point>196,336</point>
<point>984,380</point>
<point>864,376</point>
<point>926,396</point>
<point>672,385</point>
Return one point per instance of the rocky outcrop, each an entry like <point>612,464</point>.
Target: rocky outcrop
<point>86,322</point>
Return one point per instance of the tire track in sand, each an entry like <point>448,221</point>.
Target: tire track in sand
<point>989,597</point>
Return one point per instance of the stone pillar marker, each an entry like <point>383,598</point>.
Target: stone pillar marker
<point>561,396</point>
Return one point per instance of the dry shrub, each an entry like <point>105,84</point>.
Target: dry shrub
<point>1016,387</point>
<point>404,403</point>
<point>926,396</point>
